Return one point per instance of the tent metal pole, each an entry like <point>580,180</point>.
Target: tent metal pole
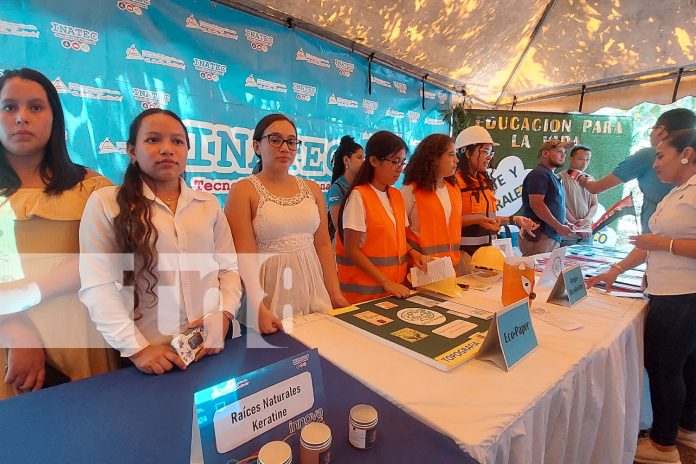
<point>636,79</point>
<point>369,73</point>
<point>582,98</point>
<point>518,65</point>
<point>676,85</point>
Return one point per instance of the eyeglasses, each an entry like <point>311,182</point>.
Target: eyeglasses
<point>397,165</point>
<point>276,141</point>
<point>656,126</point>
<point>486,153</point>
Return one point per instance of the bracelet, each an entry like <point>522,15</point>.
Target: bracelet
<point>512,220</point>
<point>618,266</point>
<point>671,243</point>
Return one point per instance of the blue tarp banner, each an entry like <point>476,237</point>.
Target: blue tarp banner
<point>220,69</point>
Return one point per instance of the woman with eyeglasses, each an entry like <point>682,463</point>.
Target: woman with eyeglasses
<point>279,225</point>
<point>480,224</point>
<point>432,199</point>
<point>371,248</point>
<point>347,159</point>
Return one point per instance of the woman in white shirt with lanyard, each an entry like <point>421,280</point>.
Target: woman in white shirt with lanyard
<point>670,328</point>
<point>185,263</point>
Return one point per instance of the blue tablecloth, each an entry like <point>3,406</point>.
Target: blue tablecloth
<point>127,416</point>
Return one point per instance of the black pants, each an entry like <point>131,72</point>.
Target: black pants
<point>670,358</point>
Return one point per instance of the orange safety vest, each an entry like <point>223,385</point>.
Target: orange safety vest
<point>478,199</point>
<point>385,247</point>
<point>435,237</point>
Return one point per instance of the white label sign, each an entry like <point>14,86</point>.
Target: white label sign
<point>243,420</point>
<point>554,267</point>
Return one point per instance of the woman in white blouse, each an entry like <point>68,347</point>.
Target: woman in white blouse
<point>185,265</point>
<point>669,251</point>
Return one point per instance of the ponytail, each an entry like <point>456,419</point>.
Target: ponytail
<point>135,232</point>
<point>347,147</point>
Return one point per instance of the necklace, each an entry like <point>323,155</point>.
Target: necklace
<point>170,202</point>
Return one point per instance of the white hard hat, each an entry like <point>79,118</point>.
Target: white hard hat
<point>473,135</point>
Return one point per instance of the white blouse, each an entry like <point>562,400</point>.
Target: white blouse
<point>196,269</point>
<point>674,217</point>
<point>412,212</point>
<point>355,217</point>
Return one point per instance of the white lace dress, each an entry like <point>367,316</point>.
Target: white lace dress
<point>284,227</point>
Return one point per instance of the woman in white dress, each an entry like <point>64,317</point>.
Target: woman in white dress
<point>280,228</point>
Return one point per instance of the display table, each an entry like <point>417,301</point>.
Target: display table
<point>575,399</point>
<point>127,416</point>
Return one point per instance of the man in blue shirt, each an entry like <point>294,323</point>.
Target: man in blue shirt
<point>639,165</point>
<point>543,200</point>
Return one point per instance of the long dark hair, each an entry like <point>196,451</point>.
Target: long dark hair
<point>261,127</point>
<point>57,170</point>
<point>347,147</point>
<point>484,178</point>
<point>680,140</point>
<point>677,119</point>
<point>422,168</point>
<point>381,145</point>
<point>135,232</point>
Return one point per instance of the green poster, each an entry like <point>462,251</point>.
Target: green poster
<point>520,134</point>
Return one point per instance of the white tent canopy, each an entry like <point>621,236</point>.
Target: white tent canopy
<point>540,52</point>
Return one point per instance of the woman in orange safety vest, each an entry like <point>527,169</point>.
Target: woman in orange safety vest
<point>371,248</point>
<point>432,198</point>
<point>480,224</point>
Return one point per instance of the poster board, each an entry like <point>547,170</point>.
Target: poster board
<point>521,133</point>
<point>418,327</point>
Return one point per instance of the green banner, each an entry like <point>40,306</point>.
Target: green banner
<point>520,134</point>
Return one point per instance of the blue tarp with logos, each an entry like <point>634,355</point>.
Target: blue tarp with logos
<point>220,69</point>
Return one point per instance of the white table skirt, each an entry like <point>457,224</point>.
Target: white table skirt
<point>576,399</point>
